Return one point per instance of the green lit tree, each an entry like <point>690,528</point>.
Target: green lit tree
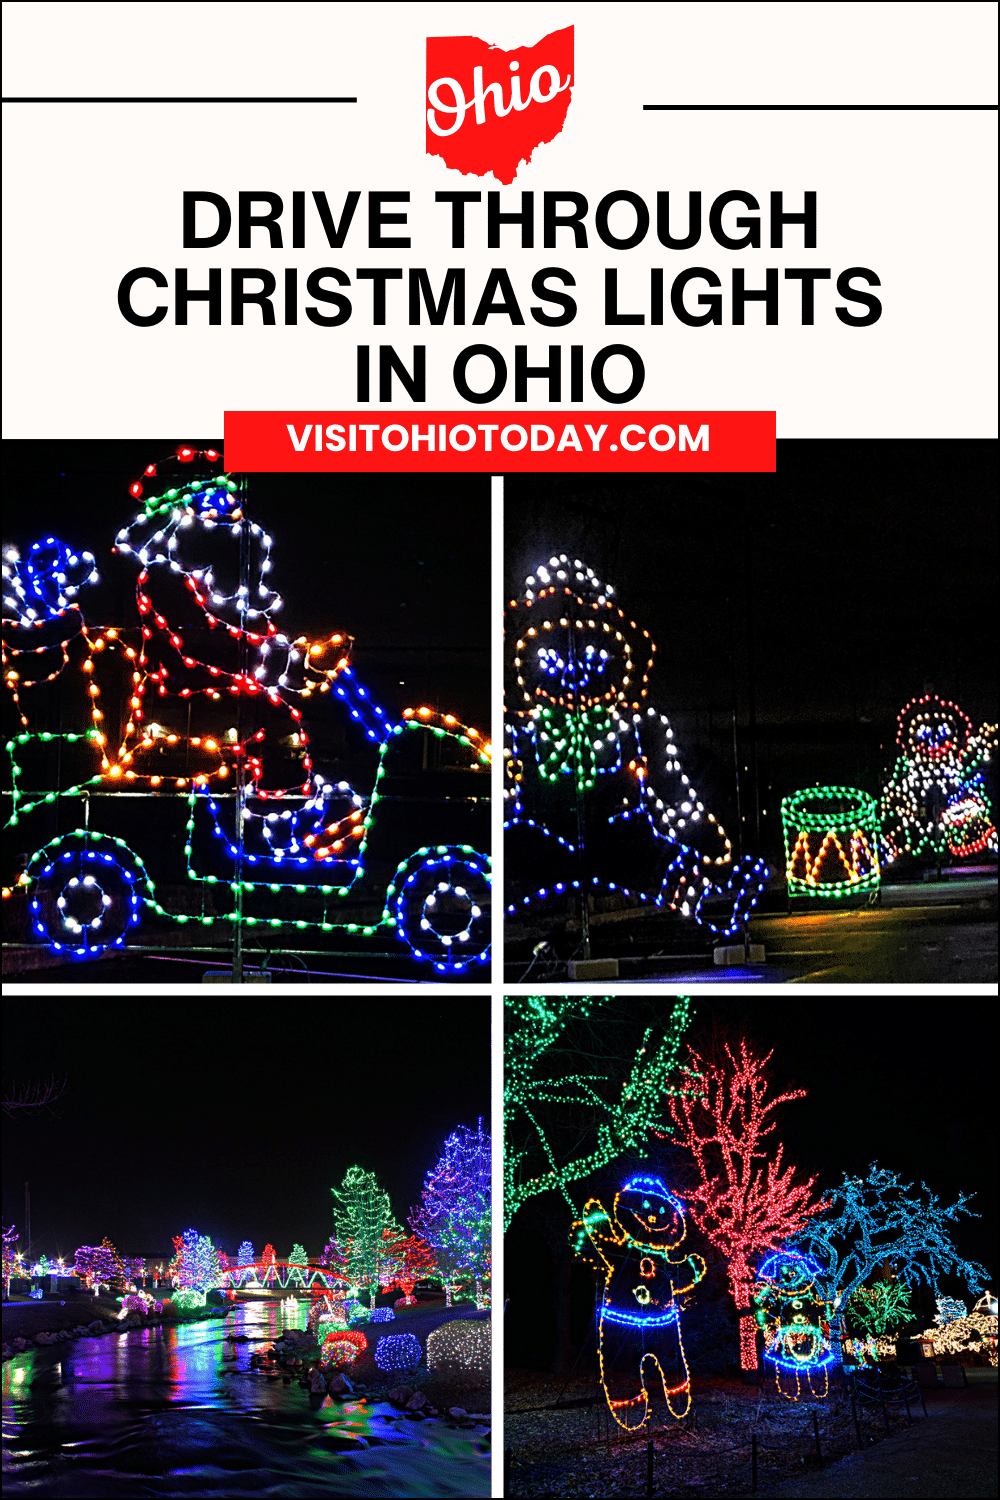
<point>298,1257</point>
<point>880,1309</point>
<point>363,1217</point>
<point>569,1112</point>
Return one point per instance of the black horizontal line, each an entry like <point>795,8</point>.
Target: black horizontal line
<point>176,99</point>
<point>681,107</point>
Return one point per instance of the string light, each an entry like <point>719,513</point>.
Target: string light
<point>398,1351</point>
<point>366,1227</point>
<point>975,1333</point>
<point>639,1317</point>
<point>453,1220</point>
<point>870,1220</point>
<point>831,842</point>
<point>936,802</point>
<point>343,1347</point>
<point>581,671</point>
<point>462,1344</point>
<point>534,1075</point>
<point>745,1203</point>
<point>382,1315</point>
<point>794,1318</point>
<point>305,838</point>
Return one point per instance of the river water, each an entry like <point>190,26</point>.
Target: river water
<point>170,1411</point>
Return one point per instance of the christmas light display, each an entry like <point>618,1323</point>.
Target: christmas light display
<point>639,1317</point>
<point>256,832</point>
<point>936,802</point>
<point>364,1215</point>
<point>10,1238</point>
<point>195,1263</point>
<point>398,1351</point>
<point>188,1296</point>
<point>409,1259</point>
<point>580,675</point>
<point>136,1302</point>
<point>382,1315</point>
<point>831,842</point>
<point>744,1202</point>
<point>794,1318</point>
<point>245,1255</point>
<point>948,1309</point>
<point>95,1264</point>
<point>535,1079</point>
<point>877,1310</point>
<point>868,1221</point>
<point>462,1344</point>
<point>975,1333</point>
<point>343,1347</point>
<point>454,1216</point>
<point>297,1258</point>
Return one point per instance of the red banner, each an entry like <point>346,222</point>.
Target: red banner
<point>499,441</point>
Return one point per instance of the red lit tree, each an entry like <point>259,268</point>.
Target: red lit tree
<point>268,1261</point>
<point>409,1260</point>
<point>744,1201</point>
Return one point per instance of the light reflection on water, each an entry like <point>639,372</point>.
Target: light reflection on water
<point>176,1411</point>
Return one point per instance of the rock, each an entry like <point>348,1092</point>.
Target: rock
<point>63,1335</point>
<point>416,1402</point>
<point>20,1345</point>
<point>415,1416</point>
<point>45,1338</point>
<point>80,1331</point>
<point>95,1327</point>
<point>400,1395</point>
<point>7,1352</point>
<point>458,1412</point>
<point>316,1383</point>
<point>339,1385</point>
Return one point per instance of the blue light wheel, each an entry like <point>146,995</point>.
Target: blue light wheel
<point>439,902</point>
<point>85,893</point>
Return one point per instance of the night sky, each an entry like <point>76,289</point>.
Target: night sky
<point>871,569</point>
<point>234,1117</point>
<point>399,562</point>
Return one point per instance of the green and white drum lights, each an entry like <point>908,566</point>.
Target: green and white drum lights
<point>831,842</point>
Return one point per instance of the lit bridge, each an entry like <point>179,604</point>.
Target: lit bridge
<point>280,1274</point>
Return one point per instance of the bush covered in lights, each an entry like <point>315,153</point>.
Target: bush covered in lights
<point>187,1297</point>
<point>462,1344</point>
<point>343,1347</point>
<point>398,1351</point>
<point>382,1315</point>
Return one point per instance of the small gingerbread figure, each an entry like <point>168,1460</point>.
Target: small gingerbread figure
<point>639,1333</point>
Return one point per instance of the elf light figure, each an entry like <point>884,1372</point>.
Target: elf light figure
<point>795,1320</point>
<point>936,802</point>
<point>639,1330</point>
<point>580,727</point>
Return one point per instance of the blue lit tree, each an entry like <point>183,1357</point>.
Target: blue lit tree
<point>196,1262</point>
<point>454,1216</point>
<point>880,1218</point>
<point>245,1255</point>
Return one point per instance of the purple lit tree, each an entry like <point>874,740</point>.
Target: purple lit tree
<point>95,1263</point>
<point>135,1268</point>
<point>454,1215</point>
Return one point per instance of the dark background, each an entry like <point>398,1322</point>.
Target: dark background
<point>906,1081</point>
<point>400,563</point>
<point>817,601</point>
<point>236,1119</point>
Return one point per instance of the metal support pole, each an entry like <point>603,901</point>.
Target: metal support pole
<point>241,756</point>
<point>881,1392</point>
<point>923,1403</point>
<point>906,1403</point>
<point>854,1409</point>
<point>753,1463</point>
<point>819,1451</point>
<point>581,830</point>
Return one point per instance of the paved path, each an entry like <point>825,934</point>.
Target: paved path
<point>953,1454</point>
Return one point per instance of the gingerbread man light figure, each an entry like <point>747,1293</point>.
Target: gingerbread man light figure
<point>639,1332</point>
